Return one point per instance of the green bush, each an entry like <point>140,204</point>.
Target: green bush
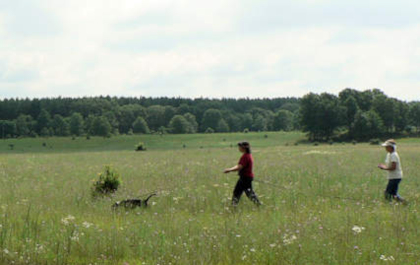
<point>108,182</point>
<point>354,142</point>
<point>316,143</point>
<point>246,130</point>
<point>140,147</point>
<point>209,130</point>
<point>375,141</point>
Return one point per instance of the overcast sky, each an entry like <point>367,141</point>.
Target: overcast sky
<point>218,48</point>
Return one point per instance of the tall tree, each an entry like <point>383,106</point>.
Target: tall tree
<point>43,120</point>
<point>211,119</point>
<point>76,124</point>
<point>101,126</point>
<point>140,125</point>
<point>179,124</point>
<point>283,120</point>
<point>59,125</point>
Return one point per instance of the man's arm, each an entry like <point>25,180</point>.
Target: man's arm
<point>391,168</point>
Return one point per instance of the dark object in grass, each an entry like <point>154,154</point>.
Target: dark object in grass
<point>132,203</point>
<point>73,137</point>
<point>140,147</point>
<point>44,144</point>
<point>88,137</point>
<point>184,146</point>
<point>266,136</point>
<point>11,146</point>
<point>354,142</point>
<point>316,143</point>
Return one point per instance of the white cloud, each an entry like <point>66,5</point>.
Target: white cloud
<point>216,49</point>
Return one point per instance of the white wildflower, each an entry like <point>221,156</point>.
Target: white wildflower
<point>385,258</point>
<point>289,240</point>
<point>272,245</point>
<point>358,229</point>
<point>6,251</point>
<point>86,224</point>
<point>67,220</point>
<point>238,235</point>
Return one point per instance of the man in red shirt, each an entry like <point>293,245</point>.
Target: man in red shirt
<point>246,176</point>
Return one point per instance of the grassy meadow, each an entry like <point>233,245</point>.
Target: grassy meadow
<point>321,204</point>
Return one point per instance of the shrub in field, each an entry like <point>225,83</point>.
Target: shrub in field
<point>108,182</point>
<point>331,142</point>
<point>246,130</point>
<point>375,141</point>
<point>88,137</point>
<point>140,147</point>
<point>354,142</point>
<point>209,130</point>
<point>11,146</point>
<point>316,143</point>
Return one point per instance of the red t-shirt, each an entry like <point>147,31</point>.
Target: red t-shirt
<point>247,162</point>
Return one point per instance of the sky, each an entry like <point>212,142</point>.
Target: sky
<point>216,49</point>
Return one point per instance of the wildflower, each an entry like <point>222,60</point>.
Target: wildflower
<point>86,224</point>
<point>385,258</point>
<point>6,251</point>
<point>289,240</point>
<point>252,250</point>
<point>358,229</point>
<point>238,235</point>
<point>273,245</point>
<point>67,220</point>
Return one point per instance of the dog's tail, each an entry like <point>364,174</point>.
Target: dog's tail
<point>151,195</point>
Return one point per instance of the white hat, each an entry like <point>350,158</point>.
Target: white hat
<point>390,142</point>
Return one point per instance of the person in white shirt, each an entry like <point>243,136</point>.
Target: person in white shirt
<point>395,173</point>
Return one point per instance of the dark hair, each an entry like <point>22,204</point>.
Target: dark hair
<point>246,146</point>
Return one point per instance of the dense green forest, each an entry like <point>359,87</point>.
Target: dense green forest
<point>351,114</point>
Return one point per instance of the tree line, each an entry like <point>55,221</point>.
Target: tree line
<point>106,116</point>
<point>359,115</point>
<point>353,114</point>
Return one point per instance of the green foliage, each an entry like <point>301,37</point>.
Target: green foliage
<point>321,115</point>
<point>179,124</point>
<point>140,147</point>
<point>193,122</point>
<point>211,118</point>
<point>140,126</point>
<point>76,124</point>
<point>222,126</point>
<point>7,129</point>
<point>209,130</point>
<point>366,125</point>
<point>43,120</point>
<point>60,126</point>
<point>375,141</point>
<point>107,183</point>
<point>283,120</point>
<point>101,127</point>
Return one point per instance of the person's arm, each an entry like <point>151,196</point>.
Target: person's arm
<point>238,167</point>
<point>391,168</point>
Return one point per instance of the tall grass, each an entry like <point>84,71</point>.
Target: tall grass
<point>314,199</point>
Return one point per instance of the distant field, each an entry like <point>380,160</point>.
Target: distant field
<point>315,198</point>
<point>154,142</point>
